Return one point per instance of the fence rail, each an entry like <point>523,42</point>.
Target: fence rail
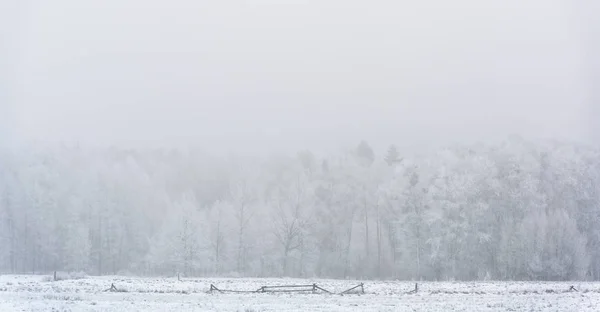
<point>314,288</point>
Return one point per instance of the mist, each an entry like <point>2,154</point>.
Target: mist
<point>248,76</point>
<point>437,140</point>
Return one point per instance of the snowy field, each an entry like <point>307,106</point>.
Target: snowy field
<point>37,293</point>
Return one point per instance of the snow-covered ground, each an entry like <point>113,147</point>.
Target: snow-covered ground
<point>38,293</point>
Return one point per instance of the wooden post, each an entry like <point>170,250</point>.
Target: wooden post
<point>112,288</point>
<point>361,285</point>
<point>55,276</point>
<point>213,288</point>
<point>414,291</point>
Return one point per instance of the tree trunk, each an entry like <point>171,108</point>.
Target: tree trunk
<point>418,236</point>
<point>34,256</point>
<point>348,247</point>
<point>418,257</point>
<point>99,263</point>
<point>11,235</point>
<point>240,252</point>
<point>367,247</point>
<point>218,247</point>
<point>378,242</point>
<point>301,273</point>
<point>185,249</point>
<point>392,233</point>
<point>284,260</point>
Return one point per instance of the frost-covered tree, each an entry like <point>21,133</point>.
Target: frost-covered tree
<point>365,153</point>
<point>180,242</point>
<point>515,209</point>
<point>243,199</point>
<point>392,157</point>
<point>291,215</point>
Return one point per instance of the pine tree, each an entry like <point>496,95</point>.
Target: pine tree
<point>392,157</point>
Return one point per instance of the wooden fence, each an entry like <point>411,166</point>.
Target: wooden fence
<point>314,288</point>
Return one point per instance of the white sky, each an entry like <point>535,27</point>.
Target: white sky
<point>293,74</point>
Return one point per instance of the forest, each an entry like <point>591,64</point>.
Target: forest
<point>515,209</point>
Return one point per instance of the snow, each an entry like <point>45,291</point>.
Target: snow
<point>37,293</point>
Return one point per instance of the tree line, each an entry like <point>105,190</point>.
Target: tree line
<point>511,210</point>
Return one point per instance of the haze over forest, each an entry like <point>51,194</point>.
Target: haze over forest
<point>372,139</point>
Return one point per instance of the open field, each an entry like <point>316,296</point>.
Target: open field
<point>39,293</point>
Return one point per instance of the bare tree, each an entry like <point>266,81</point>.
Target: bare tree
<point>290,219</point>
<point>242,197</point>
<point>218,235</point>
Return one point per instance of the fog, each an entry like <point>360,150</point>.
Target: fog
<point>254,75</point>
<point>415,140</point>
